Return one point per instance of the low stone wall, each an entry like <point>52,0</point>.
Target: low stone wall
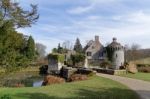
<point>66,72</point>
<point>84,71</point>
<point>110,71</point>
<point>120,72</point>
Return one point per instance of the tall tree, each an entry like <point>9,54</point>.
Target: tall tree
<point>41,49</point>
<point>13,45</point>
<point>67,45</point>
<point>12,12</point>
<point>78,46</point>
<point>30,50</point>
<point>59,49</point>
<point>132,53</point>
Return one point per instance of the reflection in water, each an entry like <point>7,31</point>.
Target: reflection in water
<point>37,83</point>
<point>26,79</point>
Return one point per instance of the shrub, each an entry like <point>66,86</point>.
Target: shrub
<point>49,80</point>
<point>93,62</point>
<point>78,59</point>
<point>43,69</point>
<point>19,85</point>
<point>143,65</point>
<point>105,64</point>
<point>6,97</point>
<point>144,69</point>
<point>78,77</point>
<point>91,74</point>
<point>84,71</point>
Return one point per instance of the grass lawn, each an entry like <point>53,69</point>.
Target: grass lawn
<point>94,88</point>
<point>139,75</point>
<point>2,70</point>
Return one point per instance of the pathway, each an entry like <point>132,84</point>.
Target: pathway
<point>139,86</point>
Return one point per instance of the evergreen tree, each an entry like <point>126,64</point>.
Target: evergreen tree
<point>30,50</point>
<point>12,12</point>
<point>54,50</point>
<point>60,49</point>
<point>41,50</point>
<point>78,46</point>
<point>13,46</point>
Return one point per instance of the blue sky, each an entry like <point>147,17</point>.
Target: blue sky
<point>65,20</point>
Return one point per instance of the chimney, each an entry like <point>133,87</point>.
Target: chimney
<point>114,39</point>
<point>97,38</point>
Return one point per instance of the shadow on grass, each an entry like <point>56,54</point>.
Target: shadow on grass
<point>113,93</point>
<point>34,96</point>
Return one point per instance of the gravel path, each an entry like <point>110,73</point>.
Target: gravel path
<point>139,86</point>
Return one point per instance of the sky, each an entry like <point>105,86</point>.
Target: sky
<point>65,20</point>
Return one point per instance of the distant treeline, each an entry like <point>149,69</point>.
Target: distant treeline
<point>135,54</point>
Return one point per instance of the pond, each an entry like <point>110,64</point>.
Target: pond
<point>21,79</point>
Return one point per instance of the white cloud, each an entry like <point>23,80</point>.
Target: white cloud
<point>106,18</point>
<point>134,17</point>
<point>80,9</point>
<point>92,4</point>
<point>103,1</point>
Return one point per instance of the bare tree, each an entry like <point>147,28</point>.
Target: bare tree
<point>41,50</point>
<point>132,52</point>
<point>67,45</point>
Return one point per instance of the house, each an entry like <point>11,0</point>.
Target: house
<point>95,54</point>
<point>95,51</point>
<point>115,54</point>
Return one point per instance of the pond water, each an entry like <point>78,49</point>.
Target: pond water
<point>37,83</point>
<point>21,79</point>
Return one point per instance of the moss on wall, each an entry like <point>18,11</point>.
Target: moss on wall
<point>110,54</point>
<point>58,57</point>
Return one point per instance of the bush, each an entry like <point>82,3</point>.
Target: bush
<point>144,69</point>
<point>78,59</point>
<point>78,77</point>
<point>49,80</point>
<point>93,62</point>
<point>143,65</point>
<point>43,69</point>
<point>91,74</point>
<point>84,71</point>
<point>105,64</point>
<point>6,97</point>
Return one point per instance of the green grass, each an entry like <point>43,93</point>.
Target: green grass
<point>94,88</point>
<point>2,70</point>
<point>139,75</point>
<point>28,69</point>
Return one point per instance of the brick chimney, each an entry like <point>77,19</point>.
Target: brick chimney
<point>114,39</point>
<point>97,38</point>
